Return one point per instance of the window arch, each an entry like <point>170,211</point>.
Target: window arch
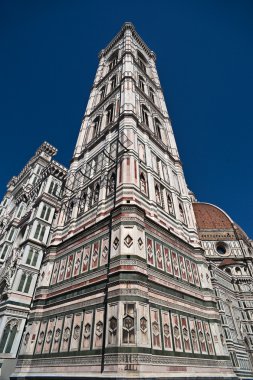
<point>111,183</point>
<point>181,212</point>
<point>25,283</point>
<point>113,60</point>
<point>145,115</point>
<point>158,129</point>
<point>143,183</point>
<point>142,61</point>
<point>8,336</point>
<point>157,194</point>
<point>152,94</point>
<point>109,114</point>
<point>113,82</point>
<point>82,202</point>
<point>170,204</point>
<point>141,83</point>
<point>95,127</point>
<point>102,93</point>
<point>96,193</point>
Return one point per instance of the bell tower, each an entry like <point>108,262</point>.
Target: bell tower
<point>124,289</point>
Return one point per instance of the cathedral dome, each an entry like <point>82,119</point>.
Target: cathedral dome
<point>211,217</point>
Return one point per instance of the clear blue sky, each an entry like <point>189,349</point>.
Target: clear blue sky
<point>204,54</point>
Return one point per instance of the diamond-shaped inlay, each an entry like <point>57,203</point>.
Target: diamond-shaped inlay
<point>140,243</point>
<point>116,243</point>
<point>128,241</point>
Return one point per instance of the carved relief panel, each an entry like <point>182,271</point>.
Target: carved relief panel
<point>155,329</point>
<point>77,263</point>
<point>104,251</point>
<point>98,328</point>
<point>167,333</point>
<point>87,330</point>
<point>194,336</point>
<point>66,333</point>
<point>41,337</point>
<point>186,334</point>
<point>49,336</point>
<point>76,332</point>
<point>129,323</point>
<point>176,333</point>
<point>112,325</point>
<point>57,335</point>
<point>143,325</point>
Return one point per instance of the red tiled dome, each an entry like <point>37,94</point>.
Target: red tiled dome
<point>211,217</point>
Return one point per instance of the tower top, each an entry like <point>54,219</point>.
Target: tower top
<point>128,26</point>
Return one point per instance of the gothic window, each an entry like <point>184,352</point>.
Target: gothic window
<point>181,212</point>
<point>40,232</point>
<point>170,203</point>
<point>20,211</point>
<point>141,83</point>
<point>99,162</point>
<point>112,338</point>
<point>111,183</point>
<point>109,114</point>
<point>143,183</point>
<point>102,93</point>
<point>152,94</point>
<point>82,202</point>
<point>32,257</point>
<point>11,234</point>
<point>158,194</point>
<point>145,115</point>
<point>4,251</point>
<point>142,61</point>
<point>45,212</point>
<point>113,82</point>
<point>8,337</point>
<point>96,193</point>
<point>113,60</point>
<point>158,129</point>
<point>165,173</point>
<point>141,151</point>
<point>25,282</point>
<point>69,211</point>
<point>54,188</point>
<point>129,323</point>
<point>95,130</point>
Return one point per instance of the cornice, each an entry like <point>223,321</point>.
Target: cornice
<point>127,26</point>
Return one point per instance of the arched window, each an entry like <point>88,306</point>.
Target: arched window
<point>82,202</point>
<point>113,60</point>
<point>158,129</point>
<point>145,117</point>
<point>111,183</point>
<point>170,204</point>
<point>96,193</point>
<point>152,94</point>
<point>8,337</point>
<point>22,282</point>
<point>142,61</point>
<point>157,194</point>
<point>102,93</point>
<point>109,114</point>
<point>143,184</point>
<point>69,211</point>
<point>28,283</point>
<point>141,83</point>
<point>113,82</point>
<point>96,123</point>
<point>181,213</point>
